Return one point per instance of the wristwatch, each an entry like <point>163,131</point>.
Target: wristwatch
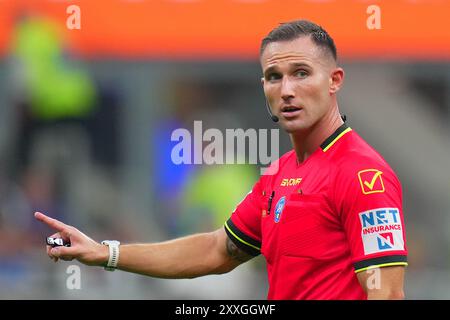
<point>113,254</point>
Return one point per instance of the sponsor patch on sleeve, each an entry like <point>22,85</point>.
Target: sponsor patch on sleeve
<point>381,230</point>
<point>371,181</point>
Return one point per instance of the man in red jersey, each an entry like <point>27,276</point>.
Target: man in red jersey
<point>327,216</point>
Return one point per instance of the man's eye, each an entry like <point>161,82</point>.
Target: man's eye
<point>273,76</point>
<point>301,73</point>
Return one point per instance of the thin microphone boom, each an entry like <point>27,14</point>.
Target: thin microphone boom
<point>273,117</point>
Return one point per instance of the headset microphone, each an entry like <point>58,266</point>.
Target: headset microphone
<point>273,117</point>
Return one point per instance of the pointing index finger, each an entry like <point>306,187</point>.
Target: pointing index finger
<point>52,223</point>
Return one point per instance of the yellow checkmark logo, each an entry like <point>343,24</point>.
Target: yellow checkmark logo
<point>371,181</point>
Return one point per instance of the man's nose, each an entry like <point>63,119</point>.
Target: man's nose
<point>287,88</point>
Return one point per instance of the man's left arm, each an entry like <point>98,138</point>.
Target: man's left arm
<point>385,283</point>
<point>372,216</point>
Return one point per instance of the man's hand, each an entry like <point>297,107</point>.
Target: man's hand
<point>82,248</point>
<point>187,257</point>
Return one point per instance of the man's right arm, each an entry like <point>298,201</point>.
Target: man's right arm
<point>187,257</point>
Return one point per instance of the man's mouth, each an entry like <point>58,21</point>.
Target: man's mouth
<point>290,111</point>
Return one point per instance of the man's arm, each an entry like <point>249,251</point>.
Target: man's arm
<point>187,257</point>
<point>384,283</point>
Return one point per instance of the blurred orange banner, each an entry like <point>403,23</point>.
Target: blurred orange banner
<point>202,29</point>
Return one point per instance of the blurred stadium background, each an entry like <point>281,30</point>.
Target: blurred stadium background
<point>86,116</point>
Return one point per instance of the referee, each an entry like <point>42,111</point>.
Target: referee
<point>327,216</point>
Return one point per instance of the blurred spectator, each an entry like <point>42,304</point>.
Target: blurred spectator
<point>169,179</point>
<point>67,122</point>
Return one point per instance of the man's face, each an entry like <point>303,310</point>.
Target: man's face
<point>297,81</point>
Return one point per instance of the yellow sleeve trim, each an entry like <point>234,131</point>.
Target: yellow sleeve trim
<point>243,241</point>
<point>382,265</point>
<point>337,138</point>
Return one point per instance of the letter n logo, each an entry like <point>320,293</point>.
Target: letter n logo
<point>385,240</point>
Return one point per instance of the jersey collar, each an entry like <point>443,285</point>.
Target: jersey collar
<point>328,143</point>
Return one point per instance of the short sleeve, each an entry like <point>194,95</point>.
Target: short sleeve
<point>368,197</point>
<point>244,225</point>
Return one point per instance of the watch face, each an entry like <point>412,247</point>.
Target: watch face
<point>113,242</point>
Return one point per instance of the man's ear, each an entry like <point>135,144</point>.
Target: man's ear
<point>336,80</point>
<point>262,81</point>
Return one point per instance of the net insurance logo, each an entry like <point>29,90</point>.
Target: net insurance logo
<point>381,230</point>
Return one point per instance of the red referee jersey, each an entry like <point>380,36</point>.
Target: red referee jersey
<point>320,222</point>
